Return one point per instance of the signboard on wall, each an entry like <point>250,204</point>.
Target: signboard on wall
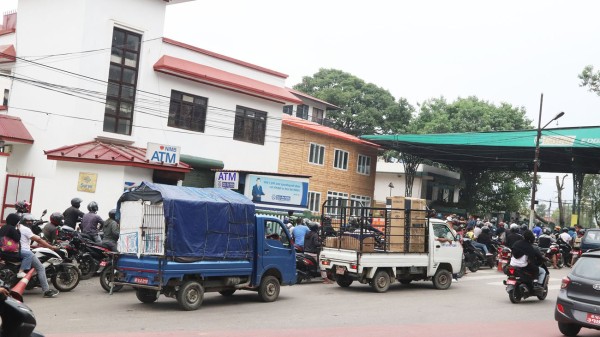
<point>277,190</point>
<point>226,179</point>
<point>87,182</point>
<point>161,153</point>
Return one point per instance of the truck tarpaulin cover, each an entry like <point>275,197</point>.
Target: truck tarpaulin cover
<point>203,223</point>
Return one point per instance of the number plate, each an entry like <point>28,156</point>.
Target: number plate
<point>511,281</point>
<point>140,280</point>
<point>593,319</point>
<point>103,263</point>
<point>340,270</point>
<point>504,261</point>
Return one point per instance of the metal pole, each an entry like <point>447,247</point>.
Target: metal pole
<point>535,164</point>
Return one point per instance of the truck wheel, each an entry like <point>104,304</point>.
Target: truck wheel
<point>190,295</point>
<point>442,279</point>
<point>381,281</point>
<point>343,281</point>
<point>268,291</point>
<point>227,292</point>
<point>146,295</point>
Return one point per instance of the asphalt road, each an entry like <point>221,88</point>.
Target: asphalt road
<point>477,305</point>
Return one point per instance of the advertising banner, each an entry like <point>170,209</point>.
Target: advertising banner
<point>277,190</point>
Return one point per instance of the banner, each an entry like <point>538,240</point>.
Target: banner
<point>277,190</point>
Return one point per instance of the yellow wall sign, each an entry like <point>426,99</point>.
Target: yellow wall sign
<point>573,219</point>
<point>87,182</point>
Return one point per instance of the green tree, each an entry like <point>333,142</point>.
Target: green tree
<point>364,107</point>
<point>591,195</point>
<point>590,79</point>
<point>541,209</point>
<point>485,191</point>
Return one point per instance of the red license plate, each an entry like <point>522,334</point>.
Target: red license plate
<point>512,282</point>
<point>593,319</point>
<point>140,280</point>
<point>103,263</point>
<point>504,261</point>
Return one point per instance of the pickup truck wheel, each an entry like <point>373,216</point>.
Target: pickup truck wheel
<point>190,295</point>
<point>442,279</point>
<point>381,281</point>
<point>343,281</point>
<point>269,289</point>
<point>146,295</point>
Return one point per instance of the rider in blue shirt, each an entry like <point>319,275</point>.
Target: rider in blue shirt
<point>299,234</point>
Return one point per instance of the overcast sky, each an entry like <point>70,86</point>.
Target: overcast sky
<point>502,51</point>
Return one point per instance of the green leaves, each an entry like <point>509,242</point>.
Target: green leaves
<point>590,79</point>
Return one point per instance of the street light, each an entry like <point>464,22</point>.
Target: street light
<point>391,185</point>
<point>536,158</point>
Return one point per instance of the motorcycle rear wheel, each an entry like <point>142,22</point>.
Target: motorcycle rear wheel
<point>105,280</point>
<point>87,267</point>
<point>560,262</point>
<point>474,266</point>
<point>66,279</point>
<point>514,296</point>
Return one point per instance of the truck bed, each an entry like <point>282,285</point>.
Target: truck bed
<point>347,258</point>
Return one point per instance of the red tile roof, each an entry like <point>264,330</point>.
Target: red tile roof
<point>323,130</point>
<point>13,130</point>
<point>7,31</point>
<point>96,152</point>
<point>300,93</point>
<point>223,79</point>
<point>224,58</point>
<point>8,53</point>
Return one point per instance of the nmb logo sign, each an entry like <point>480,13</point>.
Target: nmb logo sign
<point>160,153</point>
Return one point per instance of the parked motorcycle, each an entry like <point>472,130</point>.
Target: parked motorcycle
<point>565,249</point>
<point>17,318</point>
<point>553,250</point>
<point>64,276</point>
<point>519,284</point>
<point>90,257</point>
<point>473,257</point>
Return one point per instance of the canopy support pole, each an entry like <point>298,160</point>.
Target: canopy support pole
<point>577,194</point>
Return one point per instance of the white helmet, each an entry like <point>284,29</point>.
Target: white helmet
<point>514,226</point>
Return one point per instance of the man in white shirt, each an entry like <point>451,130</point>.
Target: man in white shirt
<point>26,237</point>
<point>565,236</point>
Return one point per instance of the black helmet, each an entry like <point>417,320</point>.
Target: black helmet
<point>22,206</point>
<point>529,236</point>
<point>547,231</point>
<point>524,227</point>
<point>565,230</point>
<point>93,206</point>
<point>112,213</point>
<point>485,230</point>
<point>57,219</point>
<point>313,226</point>
<point>76,202</point>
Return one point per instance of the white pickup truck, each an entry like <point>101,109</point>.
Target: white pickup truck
<point>441,256</point>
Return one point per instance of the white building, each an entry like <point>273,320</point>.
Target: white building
<point>93,82</point>
<point>430,183</point>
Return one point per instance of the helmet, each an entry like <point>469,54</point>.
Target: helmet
<point>501,224</point>
<point>12,219</point>
<point>112,214</point>
<point>556,228</point>
<point>485,229</point>
<point>93,206</point>
<point>313,226</point>
<point>547,231</point>
<point>529,236</point>
<point>22,206</point>
<point>514,227</point>
<point>28,217</point>
<point>76,202</point>
<point>524,227</point>
<point>57,218</point>
<point>565,230</point>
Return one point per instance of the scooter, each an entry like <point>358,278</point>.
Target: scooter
<point>17,318</point>
<point>473,257</point>
<point>519,284</point>
<point>306,266</point>
<point>554,249</point>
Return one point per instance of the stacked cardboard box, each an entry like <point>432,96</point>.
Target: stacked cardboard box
<point>331,242</point>
<point>396,237</point>
<point>352,243</point>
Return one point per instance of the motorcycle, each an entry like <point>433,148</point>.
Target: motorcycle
<point>108,273</point>
<point>63,275</point>
<point>519,284</point>
<point>553,250</point>
<point>473,257</point>
<point>565,249</point>
<point>504,256</point>
<point>306,266</point>
<point>17,318</point>
<point>91,258</point>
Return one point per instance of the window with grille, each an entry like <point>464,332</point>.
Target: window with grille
<point>317,115</point>
<point>357,202</point>
<point>288,109</point>
<point>187,111</point>
<point>364,165</point>
<point>302,111</point>
<point>314,201</point>
<point>335,202</point>
<point>340,160</point>
<point>122,81</point>
<point>250,125</point>
<point>316,154</point>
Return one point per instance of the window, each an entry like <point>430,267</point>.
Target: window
<point>187,111</point>
<point>288,109</point>
<point>316,154</point>
<point>122,81</point>
<point>250,125</point>
<point>5,100</point>
<point>276,235</point>
<point>364,165</point>
<point>357,202</point>
<point>341,159</point>
<point>335,202</point>
<point>314,201</point>
<point>302,111</point>
<point>317,116</point>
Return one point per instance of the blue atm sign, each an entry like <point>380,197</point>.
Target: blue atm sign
<point>226,179</point>
<point>161,153</point>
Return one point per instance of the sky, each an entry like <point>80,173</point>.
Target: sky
<point>501,51</point>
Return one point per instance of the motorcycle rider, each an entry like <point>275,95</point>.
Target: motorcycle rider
<point>312,247</point>
<point>92,222</point>
<point>73,214</point>
<point>525,256</point>
<point>29,259</point>
<point>544,241</point>
<point>299,233</point>
<point>513,235</point>
<point>111,231</point>
<point>50,229</point>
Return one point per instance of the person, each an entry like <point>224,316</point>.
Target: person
<point>29,259</point>
<point>11,239</point>
<point>565,236</point>
<point>525,256</point>
<point>73,214</point>
<point>91,221</point>
<point>577,245</point>
<point>544,241</point>
<point>477,229</point>
<point>485,238</point>
<point>556,231</point>
<point>469,234</point>
<point>257,191</point>
<point>299,233</point>
<point>312,247</point>
<point>111,231</point>
<point>501,232</point>
<point>537,230</point>
<point>513,235</point>
<point>50,230</point>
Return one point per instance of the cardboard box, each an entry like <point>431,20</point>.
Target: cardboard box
<point>406,203</point>
<point>331,242</point>
<point>368,245</point>
<point>395,247</point>
<point>352,243</point>
<point>416,248</point>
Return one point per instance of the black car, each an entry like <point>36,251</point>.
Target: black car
<point>578,302</point>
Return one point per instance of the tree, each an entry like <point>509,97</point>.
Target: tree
<point>485,191</point>
<point>590,79</point>
<point>364,107</point>
<point>541,209</point>
<point>591,194</point>
<point>560,185</point>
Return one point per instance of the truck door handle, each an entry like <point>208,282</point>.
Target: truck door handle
<point>437,246</point>
<point>266,250</point>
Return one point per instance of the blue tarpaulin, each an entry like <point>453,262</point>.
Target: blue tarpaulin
<point>202,223</point>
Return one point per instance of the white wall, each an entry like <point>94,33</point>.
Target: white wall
<point>383,179</point>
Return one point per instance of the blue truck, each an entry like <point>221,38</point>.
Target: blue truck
<point>183,241</point>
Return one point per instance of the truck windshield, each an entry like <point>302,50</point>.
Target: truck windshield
<point>442,231</point>
<point>274,232</point>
